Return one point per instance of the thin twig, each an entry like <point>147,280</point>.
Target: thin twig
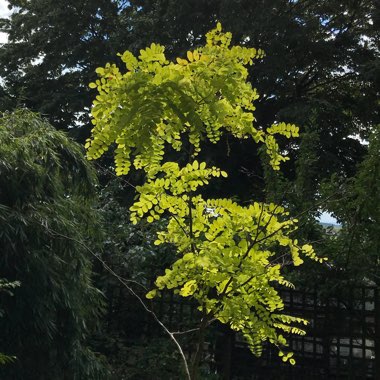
<point>122,179</point>
<point>192,330</point>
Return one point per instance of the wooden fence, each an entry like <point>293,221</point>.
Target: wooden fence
<point>342,340</point>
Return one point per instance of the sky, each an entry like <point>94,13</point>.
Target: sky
<point>327,218</point>
<point>4,12</point>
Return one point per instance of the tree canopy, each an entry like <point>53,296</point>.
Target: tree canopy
<point>52,53</point>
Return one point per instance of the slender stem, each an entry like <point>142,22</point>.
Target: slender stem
<point>194,329</point>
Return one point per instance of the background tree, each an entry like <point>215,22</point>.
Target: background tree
<point>355,248</point>
<point>52,53</point>
<point>46,200</point>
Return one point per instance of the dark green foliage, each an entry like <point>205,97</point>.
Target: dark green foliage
<point>6,286</point>
<point>148,359</point>
<point>46,195</point>
<point>52,55</point>
<point>129,334</point>
<point>355,248</point>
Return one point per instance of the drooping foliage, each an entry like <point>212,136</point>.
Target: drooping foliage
<point>229,256</point>
<point>46,195</point>
<point>6,287</point>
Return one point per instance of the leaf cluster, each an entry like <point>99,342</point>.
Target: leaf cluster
<point>156,102</point>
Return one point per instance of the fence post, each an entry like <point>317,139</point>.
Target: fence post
<point>377,334</point>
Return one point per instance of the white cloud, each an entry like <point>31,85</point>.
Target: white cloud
<point>4,12</point>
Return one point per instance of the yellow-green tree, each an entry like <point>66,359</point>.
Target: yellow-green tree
<point>229,256</point>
